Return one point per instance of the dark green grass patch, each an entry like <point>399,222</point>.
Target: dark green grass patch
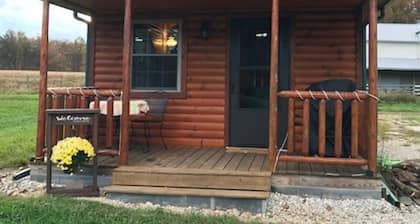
<point>18,115</point>
<point>52,210</point>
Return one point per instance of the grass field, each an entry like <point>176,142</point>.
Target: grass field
<point>51,210</point>
<point>27,81</point>
<point>399,107</point>
<point>18,114</point>
<point>18,111</point>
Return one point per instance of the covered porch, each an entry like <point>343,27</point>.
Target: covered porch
<point>325,43</point>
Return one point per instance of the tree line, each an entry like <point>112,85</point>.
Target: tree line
<point>17,51</point>
<point>402,11</point>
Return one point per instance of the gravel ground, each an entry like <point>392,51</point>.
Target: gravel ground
<point>280,208</point>
<point>21,187</point>
<point>294,209</point>
<point>399,135</point>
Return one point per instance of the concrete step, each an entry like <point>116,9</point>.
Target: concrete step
<point>250,201</point>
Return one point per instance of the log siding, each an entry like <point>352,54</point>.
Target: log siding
<point>198,119</point>
<point>323,45</point>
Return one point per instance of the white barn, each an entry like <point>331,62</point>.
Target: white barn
<point>398,56</point>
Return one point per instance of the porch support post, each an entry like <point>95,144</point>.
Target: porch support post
<point>274,59</point>
<point>43,80</point>
<point>373,89</point>
<point>125,122</point>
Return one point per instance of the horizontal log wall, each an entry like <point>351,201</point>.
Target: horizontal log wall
<point>324,47</point>
<point>196,120</point>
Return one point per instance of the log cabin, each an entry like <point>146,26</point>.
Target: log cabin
<point>237,78</point>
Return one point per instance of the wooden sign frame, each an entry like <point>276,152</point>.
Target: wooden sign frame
<point>74,117</point>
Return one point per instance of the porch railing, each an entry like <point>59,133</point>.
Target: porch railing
<point>70,98</point>
<point>299,119</point>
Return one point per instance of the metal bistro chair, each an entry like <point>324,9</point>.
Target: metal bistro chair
<point>157,109</point>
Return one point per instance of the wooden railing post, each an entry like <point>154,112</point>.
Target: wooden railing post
<point>355,129</point>
<point>305,131</point>
<point>43,80</point>
<point>373,89</point>
<point>291,127</point>
<point>82,128</point>
<point>338,132</point>
<point>109,123</point>
<point>125,122</point>
<point>321,127</point>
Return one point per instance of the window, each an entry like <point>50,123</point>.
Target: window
<point>156,62</point>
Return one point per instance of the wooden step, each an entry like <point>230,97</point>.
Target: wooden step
<point>192,178</point>
<point>187,191</point>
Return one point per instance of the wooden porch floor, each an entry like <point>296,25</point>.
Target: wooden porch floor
<point>214,172</point>
<point>218,159</point>
<point>193,158</point>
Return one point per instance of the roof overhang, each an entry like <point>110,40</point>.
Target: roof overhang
<point>87,6</point>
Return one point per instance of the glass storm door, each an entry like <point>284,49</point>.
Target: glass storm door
<point>249,81</point>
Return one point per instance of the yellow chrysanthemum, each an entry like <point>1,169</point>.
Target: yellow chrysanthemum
<point>66,149</point>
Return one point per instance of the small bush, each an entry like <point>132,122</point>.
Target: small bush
<point>397,98</point>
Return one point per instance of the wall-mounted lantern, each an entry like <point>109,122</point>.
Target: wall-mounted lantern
<point>204,29</point>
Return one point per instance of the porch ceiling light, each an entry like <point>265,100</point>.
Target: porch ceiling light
<point>82,17</point>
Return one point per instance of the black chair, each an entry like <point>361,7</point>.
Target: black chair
<point>155,115</point>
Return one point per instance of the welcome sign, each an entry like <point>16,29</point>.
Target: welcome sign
<point>73,118</point>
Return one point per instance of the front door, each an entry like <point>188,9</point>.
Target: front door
<point>249,81</point>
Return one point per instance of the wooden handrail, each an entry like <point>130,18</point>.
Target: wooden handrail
<point>84,92</point>
<point>322,97</point>
<point>75,97</point>
<point>328,95</point>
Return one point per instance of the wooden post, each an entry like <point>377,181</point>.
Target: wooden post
<point>109,123</point>
<point>291,127</point>
<point>338,132</point>
<point>305,127</point>
<point>321,127</point>
<point>43,73</point>
<point>373,89</point>
<point>126,84</point>
<point>355,129</point>
<point>274,59</point>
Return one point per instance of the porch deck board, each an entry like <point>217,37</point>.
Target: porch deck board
<point>292,168</point>
<point>212,161</point>
<point>223,161</point>
<point>246,162</point>
<point>257,163</point>
<point>235,161</point>
<point>194,157</point>
<point>205,157</point>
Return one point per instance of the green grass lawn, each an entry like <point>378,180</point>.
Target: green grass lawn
<point>45,210</point>
<point>18,116</point>
<point>399,107</point>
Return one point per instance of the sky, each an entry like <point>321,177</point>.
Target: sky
<point>26,16</point>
